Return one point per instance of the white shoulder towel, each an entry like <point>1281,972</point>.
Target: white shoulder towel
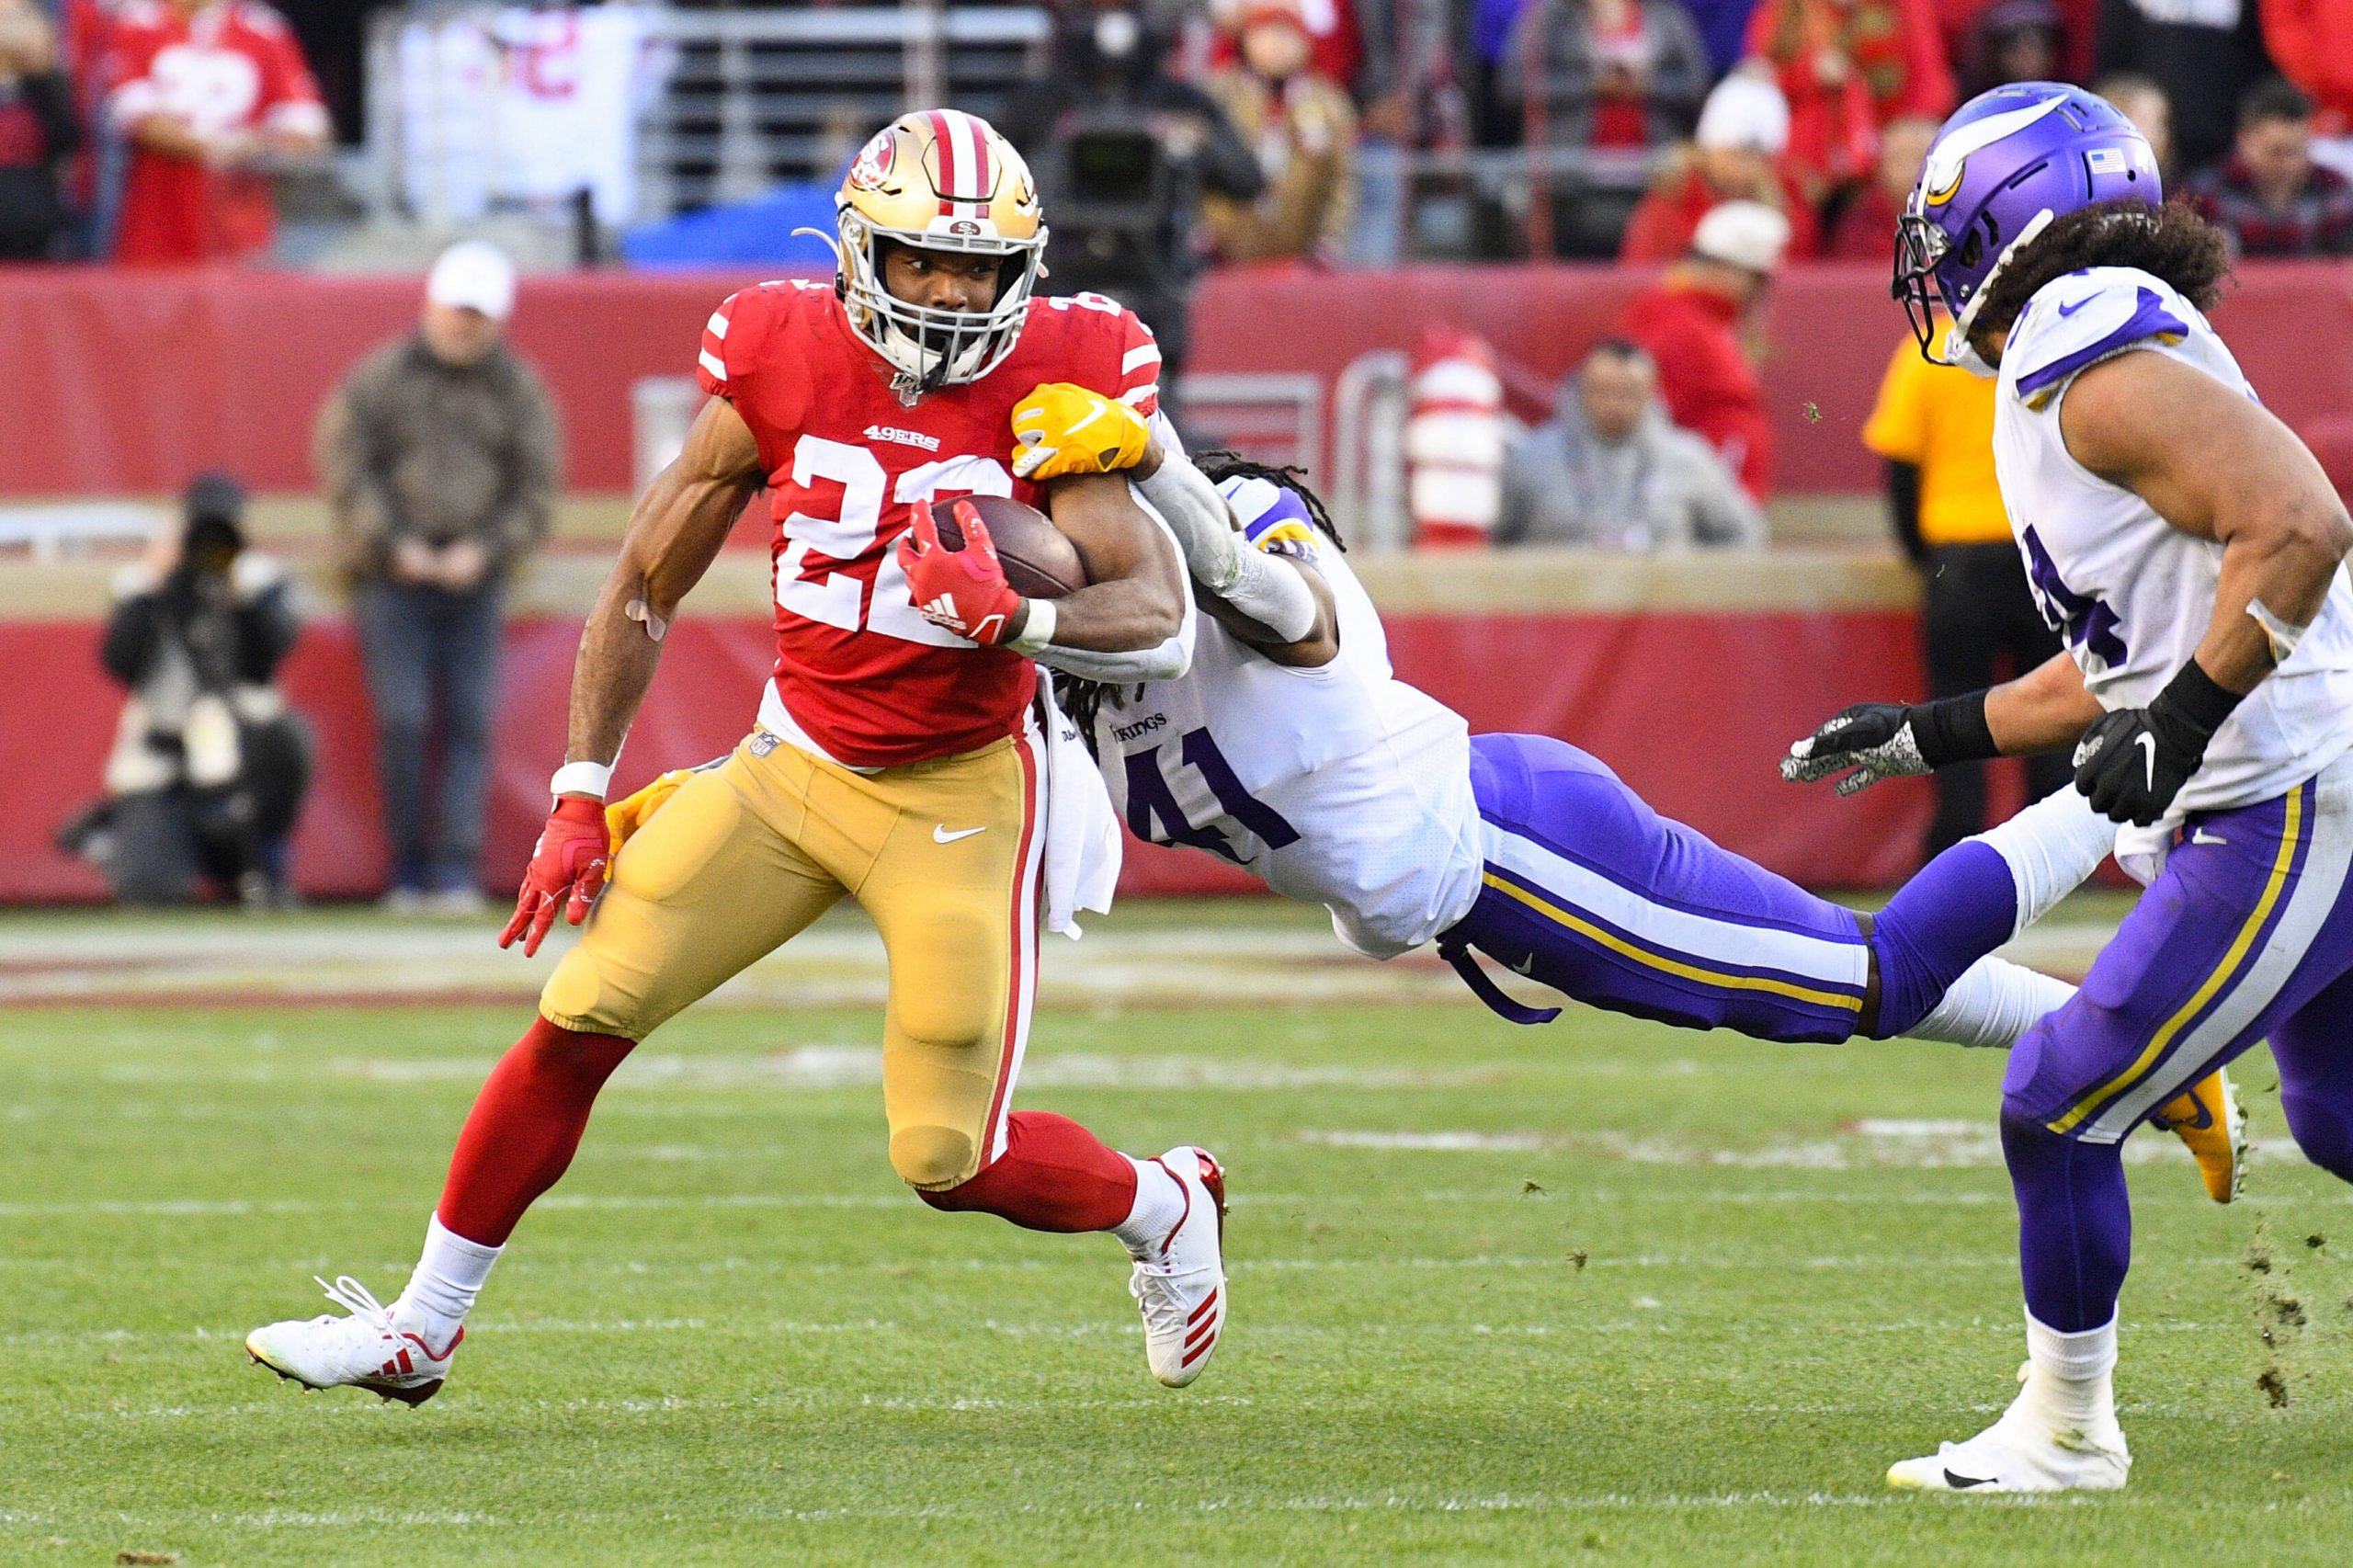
<point>1083,843</point>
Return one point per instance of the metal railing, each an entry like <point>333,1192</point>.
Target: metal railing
<point>759,97</point>
<point>726,104</point>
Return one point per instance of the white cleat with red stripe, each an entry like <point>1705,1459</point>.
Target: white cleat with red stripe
<point>366,1349</point>
<point>1180,1282</point>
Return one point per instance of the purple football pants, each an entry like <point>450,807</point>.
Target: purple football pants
<point>2248,933</point>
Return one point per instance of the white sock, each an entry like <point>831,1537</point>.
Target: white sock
<point>448,1276</point>
<point>1992,1003</point>
<point>1160,1203</point>
<point>2051,847</point>
<point>2069,1380</point>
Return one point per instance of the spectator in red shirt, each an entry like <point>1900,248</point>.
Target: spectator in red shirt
<point>1335,42</point>
<point>206,92</point>
<point>2268,195</point>
<point>1691,325</point>
<point>1848,67</point>
<point>2311,42</point>
<point>1866,230</point>
<point>1607,77</point>
<point>1735,156</point>
<point>1604,74</point>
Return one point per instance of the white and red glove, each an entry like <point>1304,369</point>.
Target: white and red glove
<point>570,858</point>
<point>963,591</point>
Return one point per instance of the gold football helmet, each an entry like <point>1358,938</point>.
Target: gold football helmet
<point>939,179</point>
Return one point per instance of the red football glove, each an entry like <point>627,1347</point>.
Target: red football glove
<point>961,590</point>
<point>570,857</point>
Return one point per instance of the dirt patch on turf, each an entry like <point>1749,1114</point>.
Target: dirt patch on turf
<point>2281,1278</point>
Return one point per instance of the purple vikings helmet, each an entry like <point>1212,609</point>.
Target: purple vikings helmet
<point>2006,164</point>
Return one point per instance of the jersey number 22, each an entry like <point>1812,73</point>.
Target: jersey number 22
<point>837,598</point>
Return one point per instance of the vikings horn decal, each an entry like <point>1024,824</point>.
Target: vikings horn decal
<point>1949,159</point>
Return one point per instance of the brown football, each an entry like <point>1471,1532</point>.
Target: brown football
<point>1039,561</point>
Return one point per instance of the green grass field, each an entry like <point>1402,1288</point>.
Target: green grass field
<point>1594,1293</point>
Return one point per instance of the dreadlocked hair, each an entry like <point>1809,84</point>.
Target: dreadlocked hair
<point>1220,466</point>
<point>1083,699</point>
<point>2171,241</point>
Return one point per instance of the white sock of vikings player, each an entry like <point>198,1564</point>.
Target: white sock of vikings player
<point>2051,847</point>
<point>2070,1383</point>
<point>450,1273</point>
<point>1992,1003</point>
<point>1160,1203</point>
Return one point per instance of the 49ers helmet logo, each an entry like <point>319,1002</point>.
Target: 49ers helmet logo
<point>875,160</point>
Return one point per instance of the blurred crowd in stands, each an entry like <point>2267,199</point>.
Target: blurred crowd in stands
<point>147,131</point>
<point>1640,115</point>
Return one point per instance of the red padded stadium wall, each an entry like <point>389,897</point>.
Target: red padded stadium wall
<point>1691,708</point>
<point>120,383</point>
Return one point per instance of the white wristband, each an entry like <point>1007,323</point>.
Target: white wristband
<point>581,778</point>
<point>1036,631</point>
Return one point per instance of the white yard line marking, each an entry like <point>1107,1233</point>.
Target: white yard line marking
<point>1868,1144</point>
<point>1283,961</point>
<point>1432,1143</point>
<point>807,1067</point>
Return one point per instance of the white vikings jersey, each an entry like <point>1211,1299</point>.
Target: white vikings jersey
<point>1340,786</point>
<point>2132,594</point>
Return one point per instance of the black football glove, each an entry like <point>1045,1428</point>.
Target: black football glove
<point>2134,761</point>
<point>1892,740</point>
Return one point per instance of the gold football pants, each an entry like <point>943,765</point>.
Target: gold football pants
<point>944,856</point>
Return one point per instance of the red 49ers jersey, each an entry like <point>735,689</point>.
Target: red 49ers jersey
<point>230,67</point>
<point>864,675</point>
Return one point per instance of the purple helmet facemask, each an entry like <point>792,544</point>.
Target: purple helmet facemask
<point>2006,164</point>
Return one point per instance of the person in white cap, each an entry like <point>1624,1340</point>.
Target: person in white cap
<point>439,455</point>
<point>1691,324</point>
<point>1736,155</point>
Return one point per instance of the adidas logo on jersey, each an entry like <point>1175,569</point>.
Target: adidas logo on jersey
<point>905,437</point>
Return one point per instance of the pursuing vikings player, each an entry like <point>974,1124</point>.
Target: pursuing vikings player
<point>1289,749</point>
<point>895,760</point>
<point>2189,548</point>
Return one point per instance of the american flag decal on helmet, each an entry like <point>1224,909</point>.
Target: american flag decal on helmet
<point>967,173</point>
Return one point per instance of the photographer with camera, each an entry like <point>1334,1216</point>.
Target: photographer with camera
<point>1123,152</point>
<point>210,766</point>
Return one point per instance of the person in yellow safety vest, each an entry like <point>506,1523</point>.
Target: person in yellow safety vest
<point>1934,424</point>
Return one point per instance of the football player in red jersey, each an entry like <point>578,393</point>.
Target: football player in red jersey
<point>896,758</point>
